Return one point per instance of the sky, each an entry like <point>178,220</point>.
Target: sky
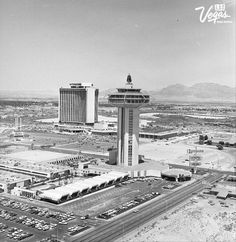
<point>46,44</point>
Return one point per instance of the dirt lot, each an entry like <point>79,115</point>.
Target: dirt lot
<point>92,142</point>
<point>211,157</point>
<point>39,138</point>
<point>196,220</point>
<point>222,136</point>
<point>12,148</point>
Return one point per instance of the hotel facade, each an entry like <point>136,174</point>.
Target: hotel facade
<point>78,104</point>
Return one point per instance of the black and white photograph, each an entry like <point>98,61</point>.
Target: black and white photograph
<point>117,121</point>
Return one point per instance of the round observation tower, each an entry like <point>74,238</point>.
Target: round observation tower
<point>128,100</point>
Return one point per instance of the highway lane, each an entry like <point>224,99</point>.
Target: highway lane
<point>123,224</point>
<point>202,169</point>
<point>145,215</point>
<point>158,210</point>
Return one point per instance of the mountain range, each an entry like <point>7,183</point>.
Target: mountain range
<point>200,92</point>
<point>28,95</point>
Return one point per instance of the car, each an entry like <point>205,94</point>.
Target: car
<point>135,211</point>
<point>63,222</point>
<point>85,217</point>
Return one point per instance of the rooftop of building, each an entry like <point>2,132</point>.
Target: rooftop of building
<point>81,85</point>
<point>176,172</point>
<point>57,193</point>
<point>11,177</point>
<point>155,165</point>
<point>37,156</point>
<point>99,169</point>
<point>128,96</point>
<point>224,190</point>
<point>23,166</point>
<point>129,87</point>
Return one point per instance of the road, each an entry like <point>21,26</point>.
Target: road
<point>202,169</point>
<point>128,222</point>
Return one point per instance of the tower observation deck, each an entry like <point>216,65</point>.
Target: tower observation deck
<point>128,100</point>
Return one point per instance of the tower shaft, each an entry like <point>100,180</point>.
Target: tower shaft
<point>128,136</point>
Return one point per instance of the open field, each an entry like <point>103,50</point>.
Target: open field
<point>222,136</point>
<point>12,148</point>
<point>211,157</point>
<point>39,138</point>
<point>197,220</point>
<point>77,142</point>
<point>97,143</point>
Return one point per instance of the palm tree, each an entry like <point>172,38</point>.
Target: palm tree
<point>59,178</point>
<point>66,179</point>
<point>72,176</point>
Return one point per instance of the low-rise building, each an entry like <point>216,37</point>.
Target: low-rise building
<point>80,188</point>
<point>22,192</point>
<point>176,174</point>
<point>10,180</point>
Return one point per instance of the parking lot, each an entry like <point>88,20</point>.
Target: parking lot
<point>14,233</point>
<point>127,206</point>
<point>100,202</point>
<point>22,221</point>
<point>37,220</point>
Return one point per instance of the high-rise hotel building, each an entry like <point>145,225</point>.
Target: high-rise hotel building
<point>78,104</point>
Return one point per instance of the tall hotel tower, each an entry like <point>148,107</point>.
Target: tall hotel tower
<point>78,104</point>
<point>128,100</point>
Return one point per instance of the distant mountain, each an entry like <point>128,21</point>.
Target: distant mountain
<point>103,94</point>
<point>28,95</point>
<point>205,92</point>
<point>200,92</point>
<point>174,90</point>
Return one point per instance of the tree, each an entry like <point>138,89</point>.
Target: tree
<point>221,142</point>
<point>201,142</point>
<point>227,144</point>
<point>209,142</point>
<point>59,179</point>
<point>66,179</point>
<point>71,177</point>
<point>220,147</point>
<point>201,137</point>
